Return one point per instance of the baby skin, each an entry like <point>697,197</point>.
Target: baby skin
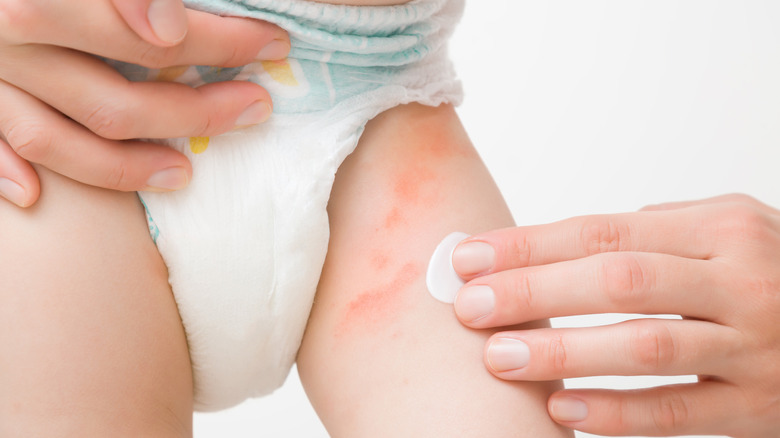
<point>92,343</point>
<point>380,356</point>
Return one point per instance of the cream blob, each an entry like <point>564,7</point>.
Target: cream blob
<point>443,283</point>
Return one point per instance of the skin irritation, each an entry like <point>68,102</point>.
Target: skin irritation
<point>415,177</point>
<point>362,311</point>
<point>380,261</point>
<point>421,166</point>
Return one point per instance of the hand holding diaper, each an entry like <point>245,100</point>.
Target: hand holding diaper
<point>66,110</point>
<point>715,262</point>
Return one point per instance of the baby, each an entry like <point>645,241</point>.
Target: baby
<point>245,267</point>
<point>344,192</point>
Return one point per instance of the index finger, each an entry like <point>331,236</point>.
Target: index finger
<point>675,232</point>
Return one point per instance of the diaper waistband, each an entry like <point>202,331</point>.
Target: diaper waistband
<point>351,35</point>
<point>338,52</point>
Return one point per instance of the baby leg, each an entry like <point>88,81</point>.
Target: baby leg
<point>91,344</point>
<point>380,356</point>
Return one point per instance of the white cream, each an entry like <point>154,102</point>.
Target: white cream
<point>443,283</point>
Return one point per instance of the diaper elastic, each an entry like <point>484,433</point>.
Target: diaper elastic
<point>246,241</point>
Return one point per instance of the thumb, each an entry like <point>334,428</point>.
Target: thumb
<point>160,22</point>
<point>18,180</point>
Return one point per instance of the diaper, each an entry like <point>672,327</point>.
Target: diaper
<point>245,242</point>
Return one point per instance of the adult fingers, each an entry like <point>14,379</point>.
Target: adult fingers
<point>669,232</point>
<point>18,180</point>
<point>39,134</point>
<point>625,282</point>
<point>635,347</point>
<point>211,39</point>
<point>731,198</point>
<point>92,93</point>
<point>701,408</point>
<point>159,22</point>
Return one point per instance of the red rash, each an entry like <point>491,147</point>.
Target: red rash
<point>412,186</point>
<point>379,261</point>
<point>372,309</point>
<point>441,145</point>
<point>410,182</point>
<point>394,218</point>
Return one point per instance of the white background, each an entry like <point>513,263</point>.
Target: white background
<point>583,107</point>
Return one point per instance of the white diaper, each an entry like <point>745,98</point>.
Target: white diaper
<point>246,241</point>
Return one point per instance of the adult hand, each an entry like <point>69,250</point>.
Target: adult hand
<point>715,262</point>
<point>66,110</point>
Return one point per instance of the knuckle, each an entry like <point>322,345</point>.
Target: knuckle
<point>229,54</point>
<point>17,18</point>
<point>624,280</point>
<point>766,289</point>
<point>621,420</point>
<point>557,355</point>
<point>521,250</point>
<point>671,412</point>
<point>741,198</point>
<point>208,125</point>
<point>232,56</point>
<point>742,222</point>
<point>602,234</point>
<point>117,178</point>
<point>523,291</point>
<point>31,142</point>
<point>107,120</point>
<point>156,57</point>
<point>652,347</point>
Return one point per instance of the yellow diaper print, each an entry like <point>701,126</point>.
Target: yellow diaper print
<point>198,145</point>
<point>170,74</point>
<point>280,71</point>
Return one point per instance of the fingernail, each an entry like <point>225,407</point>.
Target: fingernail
<point>13,192</point>
<point>474,303</point>
<point>568,409</point>
<point>473,257</point>
<point>173,178</point>
<point>505,354</point>
<point>273,51</point>
<point>168,20</point>
<point>255,113</point>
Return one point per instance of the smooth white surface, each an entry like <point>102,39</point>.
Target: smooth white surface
<point>583,107</point>
<point>442,280</point>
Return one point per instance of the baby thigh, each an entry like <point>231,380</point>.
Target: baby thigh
<point>91,344</point>
<point>380,356</point>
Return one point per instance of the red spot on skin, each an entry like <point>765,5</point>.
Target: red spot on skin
<point>371,310</point>
<point>379,261</point>
<point>433,138</point>
<point>394,218</point>
<point>428,148</point>
<point>410,182</point>
<point>441,145</point>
